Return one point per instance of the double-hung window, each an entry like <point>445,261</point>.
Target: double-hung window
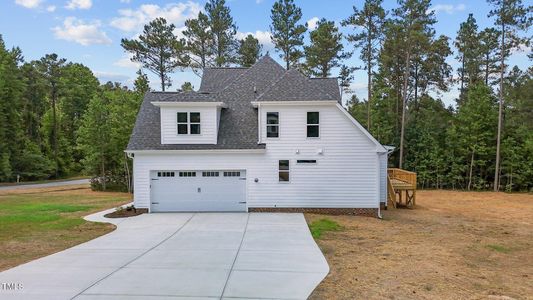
<point>283,170</point>
<point>272,121</point>
<point>313,124</point>
<point>188,123</point>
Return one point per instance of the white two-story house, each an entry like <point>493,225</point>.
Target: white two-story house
<point>255,139</point>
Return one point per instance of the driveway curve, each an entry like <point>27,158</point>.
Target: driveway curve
<point>180,256</point>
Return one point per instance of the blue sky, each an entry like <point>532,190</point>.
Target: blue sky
<point>89,31</point>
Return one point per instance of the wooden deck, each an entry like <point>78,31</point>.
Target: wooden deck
<point>401,185</point>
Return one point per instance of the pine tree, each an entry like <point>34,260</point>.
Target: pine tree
<point>287,34</point>
<point>489,38</point>
<point>345,79</point>
<point>200,42</point>
<point>249,51</point>
<point>11,93</point>
<point>414,19</point>
<point>141,85</point>
<point>325,51</point>
<point>511,16</point>
<point>468,44</point>
<point>475,130</point>
<point>158,50</point>
<point>223,30</point>
<point>371,22</point>
<point>187,87</point>
<point>51,67</point>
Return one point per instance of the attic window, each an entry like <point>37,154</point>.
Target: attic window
<point>188,123</point>
<point>272,121</point>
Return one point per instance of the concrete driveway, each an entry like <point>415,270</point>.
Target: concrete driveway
<point>180,256</point>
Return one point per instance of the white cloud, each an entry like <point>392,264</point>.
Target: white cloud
<point>113,77</point>
<point>312,23</point>
<point>51,8</point>
<point>264,38</point>
<point>125,62</point>
<point>258,1</point>
<point>79,4</point>
<point>447,8</point>
<point>131,20</point>
<point>29,3</point>
<point>74,30</point>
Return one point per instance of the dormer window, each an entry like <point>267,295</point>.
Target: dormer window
<point>188,123</point>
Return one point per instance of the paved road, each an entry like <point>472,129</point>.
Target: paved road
<point>43,185</point>
<point>182,256</point>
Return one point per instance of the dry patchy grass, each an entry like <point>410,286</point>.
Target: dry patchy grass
<point>453,245</point>
<point>36,222</point>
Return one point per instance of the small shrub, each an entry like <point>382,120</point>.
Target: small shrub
<point>319,227</point>
<point>113,183</point>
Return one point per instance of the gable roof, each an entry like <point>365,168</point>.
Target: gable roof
<point>294,86</point>
<point>237,88</point>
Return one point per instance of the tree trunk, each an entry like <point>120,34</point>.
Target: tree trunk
<point>470,173</point>
<point>404,102</point>
<point>462,76</point>
<point>369,75</point>
<point>416,88</point>
<point>487,69</point>
<point>103,174</point>
<point>500,112</point>
<point>54,128</point>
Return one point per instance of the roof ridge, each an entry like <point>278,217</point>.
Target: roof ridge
<point>272,85</point>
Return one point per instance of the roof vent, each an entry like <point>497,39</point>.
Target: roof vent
<point>255,89</point>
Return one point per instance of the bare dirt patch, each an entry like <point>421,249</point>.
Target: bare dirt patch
<point>453,245</point>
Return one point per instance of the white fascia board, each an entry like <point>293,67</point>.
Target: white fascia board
<point>301,103</point>
<point>188,104</point>
<point>203,151</point>
<point>379,147</point>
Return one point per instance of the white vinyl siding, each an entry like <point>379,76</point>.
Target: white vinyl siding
<point>346,173</point>
<point>208,126</point>
<point>383,160</point>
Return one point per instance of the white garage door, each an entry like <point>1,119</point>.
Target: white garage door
<point>182,190</point>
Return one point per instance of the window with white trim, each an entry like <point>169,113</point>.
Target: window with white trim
<point>313,124</point>
<point>188,123</point>
<point>272,127</point>
<point>283,170</point>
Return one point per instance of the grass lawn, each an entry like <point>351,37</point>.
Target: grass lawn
<point>453,245</point>
<point>39,222</point>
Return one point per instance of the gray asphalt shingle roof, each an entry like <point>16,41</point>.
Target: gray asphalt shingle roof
<point>237,88</point>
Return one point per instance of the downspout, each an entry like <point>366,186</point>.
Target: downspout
<point>389,151</point>
<point>259,121</point>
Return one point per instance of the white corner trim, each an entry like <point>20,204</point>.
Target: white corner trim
<point>188,104</point>
<point>203,151</point>
<point>302,103</point>
<point>379,147</point>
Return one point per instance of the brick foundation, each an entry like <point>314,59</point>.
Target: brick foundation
<point>369,212</point>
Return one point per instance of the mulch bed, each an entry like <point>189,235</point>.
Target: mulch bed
<point>127,212</point>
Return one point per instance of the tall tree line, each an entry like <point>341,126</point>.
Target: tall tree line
<point>56,120</point>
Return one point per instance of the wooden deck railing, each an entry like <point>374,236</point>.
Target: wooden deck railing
<point>403,175</point>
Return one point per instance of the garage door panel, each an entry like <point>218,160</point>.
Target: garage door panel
<point>203,192</point>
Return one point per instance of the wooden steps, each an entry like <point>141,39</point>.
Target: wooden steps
<point>399,183</point>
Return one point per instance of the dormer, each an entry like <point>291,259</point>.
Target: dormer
<point>189,122</point>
